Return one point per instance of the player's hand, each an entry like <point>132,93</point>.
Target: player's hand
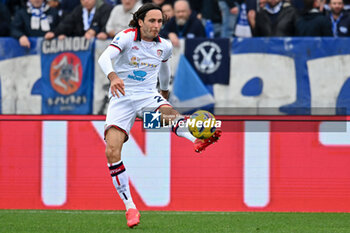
<point>165,94</point>
<point>117,84</point>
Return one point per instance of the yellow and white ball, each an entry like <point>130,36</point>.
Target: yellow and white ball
<point>202,124</point>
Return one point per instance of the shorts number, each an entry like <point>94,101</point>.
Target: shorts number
<point>158,98</point>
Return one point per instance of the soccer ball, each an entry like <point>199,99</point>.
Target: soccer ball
<point>202,124</point>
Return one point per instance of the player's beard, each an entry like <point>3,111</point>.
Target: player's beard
<point>153,33</point>
<point>150,34</point>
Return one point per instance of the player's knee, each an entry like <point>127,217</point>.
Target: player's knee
<point>113,154</point>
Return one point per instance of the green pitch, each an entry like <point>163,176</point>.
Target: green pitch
<point>47,221</point>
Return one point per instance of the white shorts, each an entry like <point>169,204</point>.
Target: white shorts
<point>122,111</point>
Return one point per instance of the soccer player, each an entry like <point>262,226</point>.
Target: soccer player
<point>140,57</point>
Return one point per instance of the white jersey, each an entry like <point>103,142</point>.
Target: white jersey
<point>139,61</point>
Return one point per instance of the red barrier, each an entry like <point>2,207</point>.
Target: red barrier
<point>278,169</point>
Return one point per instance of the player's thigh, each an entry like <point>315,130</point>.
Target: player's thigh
<point>121,114</point>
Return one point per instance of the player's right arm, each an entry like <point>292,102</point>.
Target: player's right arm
<point>105,62</point>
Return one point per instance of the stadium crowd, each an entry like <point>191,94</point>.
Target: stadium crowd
<point>185,19</point>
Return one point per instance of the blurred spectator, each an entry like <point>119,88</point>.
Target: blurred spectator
<point>113,2</point>
<point>5,20</point>
<point>15,5</point>
<point>53,3</point>
<point>34,20</point>
<point>229,11</point>
<point>339,18</point>
<point>196,7</point>
<point>183,25</point>
<point>312,22</point>
<point>254,6</point>
<point>121,15</point>
<point>298,4</point>
<point>347,5</point>
<point>210,11</point>
<point>159,2</point>
<point>84,17</point>
<point>98,26</point>
<point>168,10</point>
<point>207,9</point>
<point>262,4</point>
<point>56,4</point>
<point>101,2</point>
<point>277,18</point>
<point>67,6</point>
<point>243,28</point>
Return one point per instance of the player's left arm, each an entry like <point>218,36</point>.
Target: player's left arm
<point>164,79</point>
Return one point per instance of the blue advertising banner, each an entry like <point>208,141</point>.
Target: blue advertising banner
<point>67,78</point>
<point>319,69</point>
<point>210,58</point>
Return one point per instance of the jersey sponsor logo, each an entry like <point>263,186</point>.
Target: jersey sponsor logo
<point>66,73</point>
<point>135,61</point>
<point>207,57</point>
<point>135,47</point>
<point>138,75</point>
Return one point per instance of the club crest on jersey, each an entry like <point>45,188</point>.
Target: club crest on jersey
<point>66,73</point>
<point>159,52</point>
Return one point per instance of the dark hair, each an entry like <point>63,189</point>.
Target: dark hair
<point>141,13</point>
